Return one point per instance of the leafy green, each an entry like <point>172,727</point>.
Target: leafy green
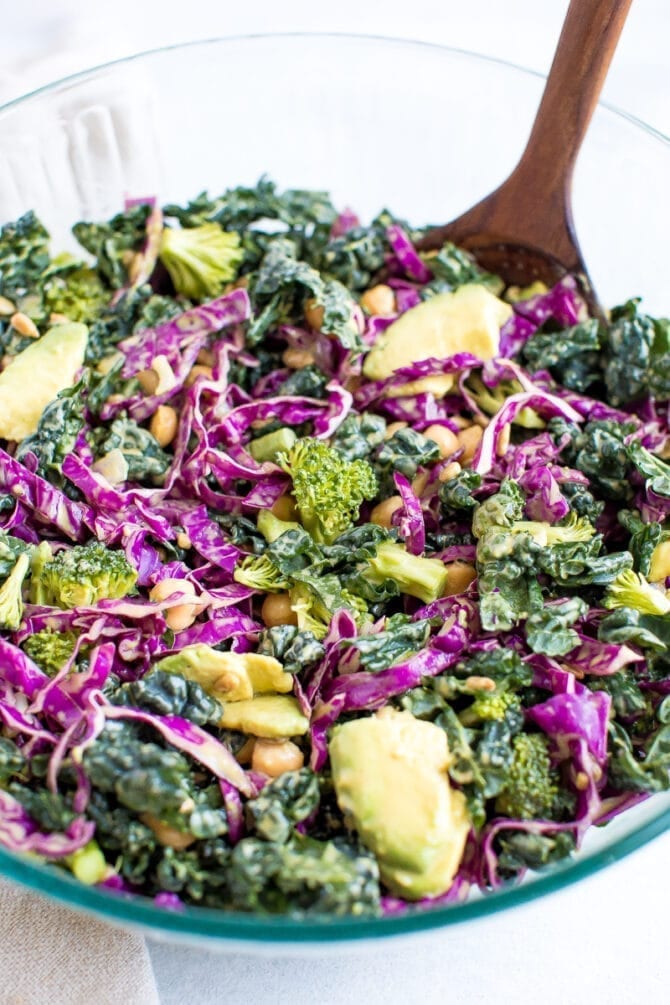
<point>170,694</point>
<point>294,649</point>
<point>356,257</point>
<point>639,767</point>
<point>599,451</point>
<point>57,431</point>
<point>643,539</point>
<point>122,836</point>
<point>405,452</point>
<point>146,459</point>
<point>358,435</point>
<point>24,255</point>
<point>549,630</point>
<point>637,356</point>
<point>283,802</point>
<point>571,355</point>
<point>453,267</point>
<point>304,875</point>
<point>399,639</point>
<point>114,243</point>
<point>457,493</point>
<point>12,761</point>
<point>519,850</point>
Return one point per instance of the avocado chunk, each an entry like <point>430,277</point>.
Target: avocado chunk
<point>271,716</point>
<point>391,782</point>
<point>229,677</point>
<point>467,320</point>
<point>37,375</point>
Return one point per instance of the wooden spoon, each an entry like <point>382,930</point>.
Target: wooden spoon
<point>523,231</point>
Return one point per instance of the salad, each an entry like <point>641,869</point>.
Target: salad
<point>332,574</point>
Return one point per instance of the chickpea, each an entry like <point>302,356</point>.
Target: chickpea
<point>469,439</point>
<point>273,758</point>
<point>476,683</point>
<point>148,381</point>
<point>7,306</point>
<point>393,428</point>
<point>383,512</point>
<point>445,439</point>
<point>297,359</point>
<point>58,319</point>
<point>163,425</point>
<point>181,615</point>
<point>461,574</point>
<point>198,371</point>
<point>481,420</point>
<point>379,299</point>
<point>168,836</point>
<point>276,610</point>
<point>184,541</point>
<point>314,313</point>
<point>284,508</point>
<point>460,421</point>
<point>502,446</point>
<point>450,471</point>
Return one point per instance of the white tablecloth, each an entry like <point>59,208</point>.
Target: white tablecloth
<point>604,940</point>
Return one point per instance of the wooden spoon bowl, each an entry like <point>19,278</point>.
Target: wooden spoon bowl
<point>523,231</point>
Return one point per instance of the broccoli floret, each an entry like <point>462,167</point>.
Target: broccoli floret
<point>328,489</point>
<point>11,599</point>
<point>201,259</point>
<point>82,575</point>
<point>50,650</point>
<point>260,573</point>
<point>424,578</point>
<point>631,589</point>
<point>531,788</point>
<point>74,290</point>
<point>492,706</point>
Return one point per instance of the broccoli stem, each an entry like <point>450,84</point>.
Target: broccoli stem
<point>266,448</point>
<point>271,527</point>
<point>423,578</point>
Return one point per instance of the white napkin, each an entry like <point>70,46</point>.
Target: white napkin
<point>50,953</point>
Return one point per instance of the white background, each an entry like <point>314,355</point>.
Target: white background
<point>604,940</point>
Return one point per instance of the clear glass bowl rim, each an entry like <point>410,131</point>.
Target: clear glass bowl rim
<point>235,927</point>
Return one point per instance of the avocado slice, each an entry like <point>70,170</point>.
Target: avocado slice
<point>230,677</point>
<point>269,715</point>
<point>37,375</point>
<point>391,782</point>
<point>467,320</point>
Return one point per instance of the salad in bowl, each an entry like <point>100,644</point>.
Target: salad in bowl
<point>332,573</point>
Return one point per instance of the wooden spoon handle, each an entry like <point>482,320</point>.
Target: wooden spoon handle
<point>585,48</point>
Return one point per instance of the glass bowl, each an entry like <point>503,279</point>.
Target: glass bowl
<point>422,129</point>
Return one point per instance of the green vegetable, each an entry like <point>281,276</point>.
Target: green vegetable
<point>424,578</point>
<point>143,454</point>
<point>266,448</point>
<point>358,435</point>
<point>114,244</point>
<point>50,650</point>
<point>303,876</point>
<point>88,864</point>
<point>457,493</point>
<point>83,575</point>
<point>531,788</point>
<point>11,599</point>
<point>328,489</point>
<point>631,589</point>
<point>549,630</point>
<point>74,290</point>
<point>57,430</point>
<point>124,838</point>
<point>24,255</point>
<point>200,260</point>
<point>282,803</point>
<point>637,354</point>
<point>12,761</point>
<point>571,356</point>
<point>260,573</point>
<point>294,649</point>
<point>165,693</point>
<point>400,639</point>
<point>238,207</point>
<point>492,706</point>
<point>404,452</point>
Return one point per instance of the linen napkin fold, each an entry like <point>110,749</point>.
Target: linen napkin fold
<point>53,954</point>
